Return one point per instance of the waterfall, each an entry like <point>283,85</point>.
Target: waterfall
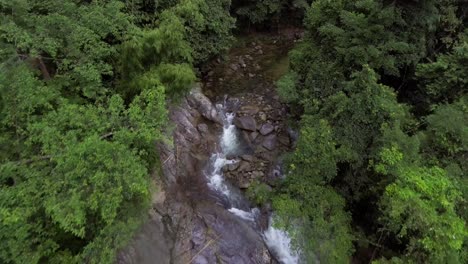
<point>279,243</point>
<point>277,240</point>
<point>215,178</point>
<point>229,141</point>
<point>229,145</point>
<point>249,216</point>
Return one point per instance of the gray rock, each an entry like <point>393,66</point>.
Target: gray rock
<point>234,67</point>
<point>233,166</point>
<point>244,184</point>
<point>200,259</point>
<point>199,101</point>
<point>253,136</point>
<point>266,129</point>
<point>246,123</point>
<point>245,166</point>
<point>284,140</point>
<point>257,174</point>
<point>247,157</point>
<point>270,142</point>
<point>249,109</point>
<point>203,128</point>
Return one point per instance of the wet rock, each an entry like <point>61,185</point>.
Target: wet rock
<point>251,75</point>
<point>266,129</point>
<point>236,242</point>
<point>270,142</point>
<point>246,123</point>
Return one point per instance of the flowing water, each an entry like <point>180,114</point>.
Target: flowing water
<point>277,240</point>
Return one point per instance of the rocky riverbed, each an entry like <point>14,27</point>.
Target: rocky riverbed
<point>189,221</point>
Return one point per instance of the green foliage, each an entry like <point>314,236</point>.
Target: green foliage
<point>356,115</point>
<point>68,35</point>
<point>354,33</point>
<point>76,155</point>
<point>286,87</point>
<point>357,62</point>
<point>313,213</point>
<point>420,207</point>
<point>316,219</point>
<point>259,192</point>
<point>315,154</point>
<point>259,11</point>
<point>78,170</point>
<point>445,79</point>
<point>213,35</point>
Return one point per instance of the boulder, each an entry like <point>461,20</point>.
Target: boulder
<point>253,136</point>
<point>270,142</point>
<point>203,104</point>
<point>244,166</point>
<point>246,123</point>
<point>233,166</point>
<point>266,129</point>
<point>247,157</point>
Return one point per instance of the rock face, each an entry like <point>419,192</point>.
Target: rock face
<point>189,225</point>
<point>203,105</point>
<point>246,123</point>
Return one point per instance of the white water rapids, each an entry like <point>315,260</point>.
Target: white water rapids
<point>277,240</point>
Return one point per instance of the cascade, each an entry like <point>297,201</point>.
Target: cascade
<point>277,240</point>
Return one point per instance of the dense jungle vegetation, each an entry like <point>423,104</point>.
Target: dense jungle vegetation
<point>379,87</point>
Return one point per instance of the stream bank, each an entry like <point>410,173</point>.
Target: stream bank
<point>191,221</point>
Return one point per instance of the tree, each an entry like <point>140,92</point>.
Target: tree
<point>68,41</point>
<point>419,207</point>
<point>313,213</point>
<point>445,79</point>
